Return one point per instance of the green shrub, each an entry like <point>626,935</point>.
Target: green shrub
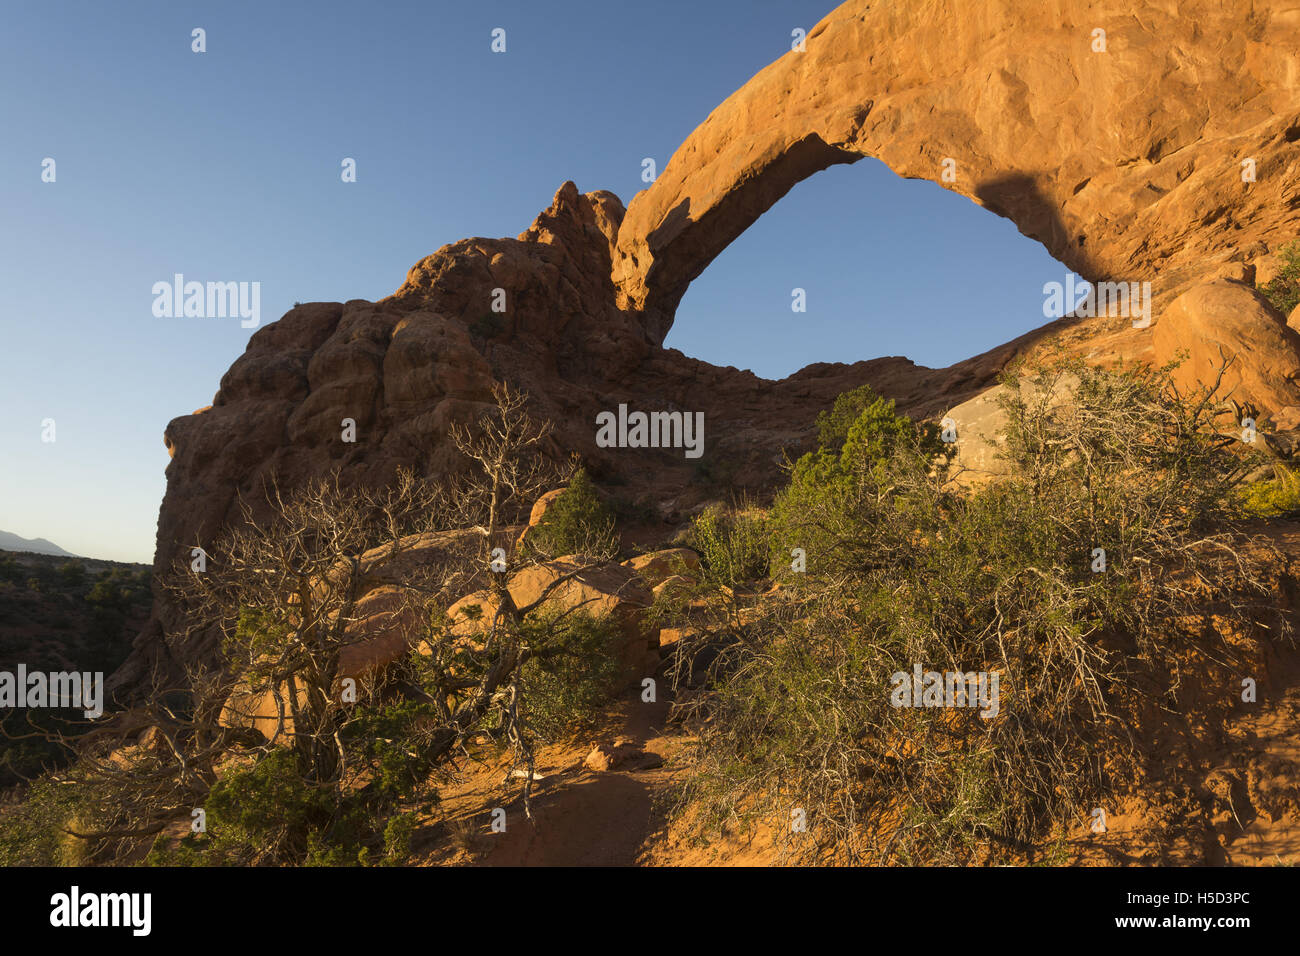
<point>1283,290</point>
<point>31,833</point>
<point>1274,496</point>
<point>385,740</point>
<point>72,573</point>
<point>733,544</point>
<point>566,686</point>
<point>118,590</point>
<point>397,839</point>
<point>270,812</point>
<point>266,812</point>
<point>837,489</point>
<point>851,408</point>
<point>906,569</point>
<point>577,522</point>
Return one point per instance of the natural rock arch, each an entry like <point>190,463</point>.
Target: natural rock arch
<point>1124,163</point>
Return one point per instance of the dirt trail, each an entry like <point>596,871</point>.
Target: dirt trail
<point>581,816</point>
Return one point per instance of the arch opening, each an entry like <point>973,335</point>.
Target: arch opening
<point>884,266</point>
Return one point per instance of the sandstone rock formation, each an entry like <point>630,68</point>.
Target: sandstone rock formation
<point>259,711</point>
<point>540,507</point>
<point>1126,164</point>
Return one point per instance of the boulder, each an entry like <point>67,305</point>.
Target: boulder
<point>979,426</point>
<point>1227,322</point>
<point>387,625</point>
<point>250,710</point>
<point>622,754</point>
<point>604,591</point>
<point>657,567</point>
<point>396,578</point>
<point>668,636</point>
<point>540,507</point>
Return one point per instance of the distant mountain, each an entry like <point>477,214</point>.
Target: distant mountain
<point>12,542</point>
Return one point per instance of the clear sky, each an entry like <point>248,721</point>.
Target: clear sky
<point>225,165</point>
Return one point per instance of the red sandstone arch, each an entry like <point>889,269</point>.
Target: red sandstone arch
<point>1124,163</point>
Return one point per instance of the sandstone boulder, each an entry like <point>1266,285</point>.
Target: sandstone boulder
<point>622,754</point>
<point>543,505</point>
<point>658,566</point>
<point>387,625</point>
<point>1227,323</point>
<point>471,617</point>
<point>395,579</point>
<point>540,507</point>
<point>980,424</point>
<point>669,636</point>
<point>607,591</point>
<point>258,710</point>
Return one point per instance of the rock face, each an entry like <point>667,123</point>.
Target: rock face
<point>1126,164</point>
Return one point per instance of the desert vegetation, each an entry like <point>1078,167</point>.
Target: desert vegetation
<point>60,614</point>
<point>1283,290</point>
<point>1113,576</point>
<point>577,522</point>
<point>898,565</point>
<point>292,755</point>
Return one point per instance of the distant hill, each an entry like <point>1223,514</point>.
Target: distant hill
<point>60,613</point>
<point>12,542</point>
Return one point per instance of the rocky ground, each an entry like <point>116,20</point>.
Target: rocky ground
<point>607,796</point>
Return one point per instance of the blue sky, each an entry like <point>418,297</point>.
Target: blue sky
<point>225,166</point>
